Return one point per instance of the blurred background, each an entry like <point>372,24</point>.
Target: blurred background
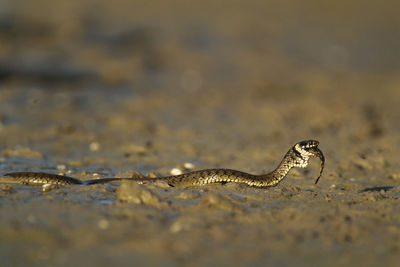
<point>111,86</point>
<point>277,70</point>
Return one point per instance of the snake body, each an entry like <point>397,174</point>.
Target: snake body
<point>297,156</point>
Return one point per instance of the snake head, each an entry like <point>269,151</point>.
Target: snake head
<point>306,150</point>
<point>308,144</point>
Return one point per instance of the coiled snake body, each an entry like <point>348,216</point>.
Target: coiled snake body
<point>297,156</point>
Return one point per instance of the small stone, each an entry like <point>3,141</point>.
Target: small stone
<point>103,224</point>
<point>94,146</point>
<point>175,171</point>
<point>6,188</point>
<point>135,149</point>
<point>395,176</point>
<point>48,187</point>
<point>188,165</point>
<point>61,167</point>
<point>132,192</point>
<point>185,223</point>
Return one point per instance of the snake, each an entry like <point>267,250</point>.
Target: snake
<point>297,156</point>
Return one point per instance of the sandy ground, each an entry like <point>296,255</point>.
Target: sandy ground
<point>94,88</point>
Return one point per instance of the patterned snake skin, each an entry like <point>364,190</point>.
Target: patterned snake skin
<point>297,156</point>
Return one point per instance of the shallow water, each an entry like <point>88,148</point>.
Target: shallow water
<point>111,89</point>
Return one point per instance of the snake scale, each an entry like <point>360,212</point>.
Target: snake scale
<point>297,156</point>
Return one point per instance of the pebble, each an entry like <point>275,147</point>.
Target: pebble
<point>175,171</point>
<point>48,187</point>
<point>94,146</point>
<point>6,188</point>
<point>188,165</point>
<point>103,224</point>
<point>136,149</point>
<point>132,192</point>
<point>183,224</point>
<point>61,167</point>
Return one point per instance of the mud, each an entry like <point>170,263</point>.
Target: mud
<point>101,89</point>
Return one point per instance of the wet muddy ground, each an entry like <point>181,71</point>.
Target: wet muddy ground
<point>99,89</point>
